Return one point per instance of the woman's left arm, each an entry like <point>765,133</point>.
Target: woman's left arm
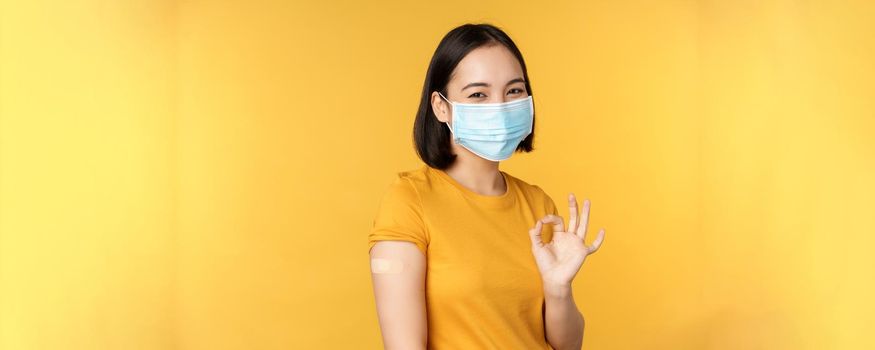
<point>563,322</point>
<point>559,261</point>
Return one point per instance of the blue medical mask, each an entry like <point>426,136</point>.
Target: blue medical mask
<point>491,130</point>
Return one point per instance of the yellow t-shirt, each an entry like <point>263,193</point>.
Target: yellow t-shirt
<point>483,289</point>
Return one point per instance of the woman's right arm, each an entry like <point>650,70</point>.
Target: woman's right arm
<point>398,273</point>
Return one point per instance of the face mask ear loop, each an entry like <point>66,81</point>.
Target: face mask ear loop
<point>448,124</point>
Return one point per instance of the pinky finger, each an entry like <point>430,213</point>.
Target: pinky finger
<point>598,241</point>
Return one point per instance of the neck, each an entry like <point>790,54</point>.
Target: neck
<point>477,174</point>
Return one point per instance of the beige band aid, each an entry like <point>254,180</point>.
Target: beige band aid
<point>379,265</point>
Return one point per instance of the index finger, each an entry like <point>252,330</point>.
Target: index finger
<point>558,223</point>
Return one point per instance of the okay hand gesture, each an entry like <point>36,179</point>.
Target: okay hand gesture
<point>561,258</point>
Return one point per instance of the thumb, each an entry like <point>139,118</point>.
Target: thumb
<point>535,235</point>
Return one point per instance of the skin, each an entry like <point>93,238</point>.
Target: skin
<point>400,297</point>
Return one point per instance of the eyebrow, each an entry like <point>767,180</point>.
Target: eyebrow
<point>517,80</point>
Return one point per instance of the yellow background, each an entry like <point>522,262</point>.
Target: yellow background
<point>203,174</point>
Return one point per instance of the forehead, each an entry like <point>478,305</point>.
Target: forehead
<point>493,64</point>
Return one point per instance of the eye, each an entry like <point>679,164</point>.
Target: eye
<point>474,95</point>
<point>515,91</point>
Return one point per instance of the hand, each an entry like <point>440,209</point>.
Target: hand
<point>561,258</point>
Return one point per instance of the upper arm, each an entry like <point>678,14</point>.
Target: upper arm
<point>400,239</point>
<point>400,294</point>
<point>400,217</point>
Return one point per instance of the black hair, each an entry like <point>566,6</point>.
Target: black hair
<point>430,135</point>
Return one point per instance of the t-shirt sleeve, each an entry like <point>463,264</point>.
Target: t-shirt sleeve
<point>400,217</point>
<point>549,208</point>
<point>549,205</point>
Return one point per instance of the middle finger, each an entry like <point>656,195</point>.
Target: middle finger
<point>572,213</point>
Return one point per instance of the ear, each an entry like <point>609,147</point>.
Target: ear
<point>440,107</point>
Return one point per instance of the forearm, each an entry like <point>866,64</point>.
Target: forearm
<point>563,322</point>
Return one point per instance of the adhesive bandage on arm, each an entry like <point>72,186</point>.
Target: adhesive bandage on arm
<point>381,265</point>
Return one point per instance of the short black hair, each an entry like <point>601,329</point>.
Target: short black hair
<point>431,136</point>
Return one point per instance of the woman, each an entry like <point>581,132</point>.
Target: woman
<point>452,265</point>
